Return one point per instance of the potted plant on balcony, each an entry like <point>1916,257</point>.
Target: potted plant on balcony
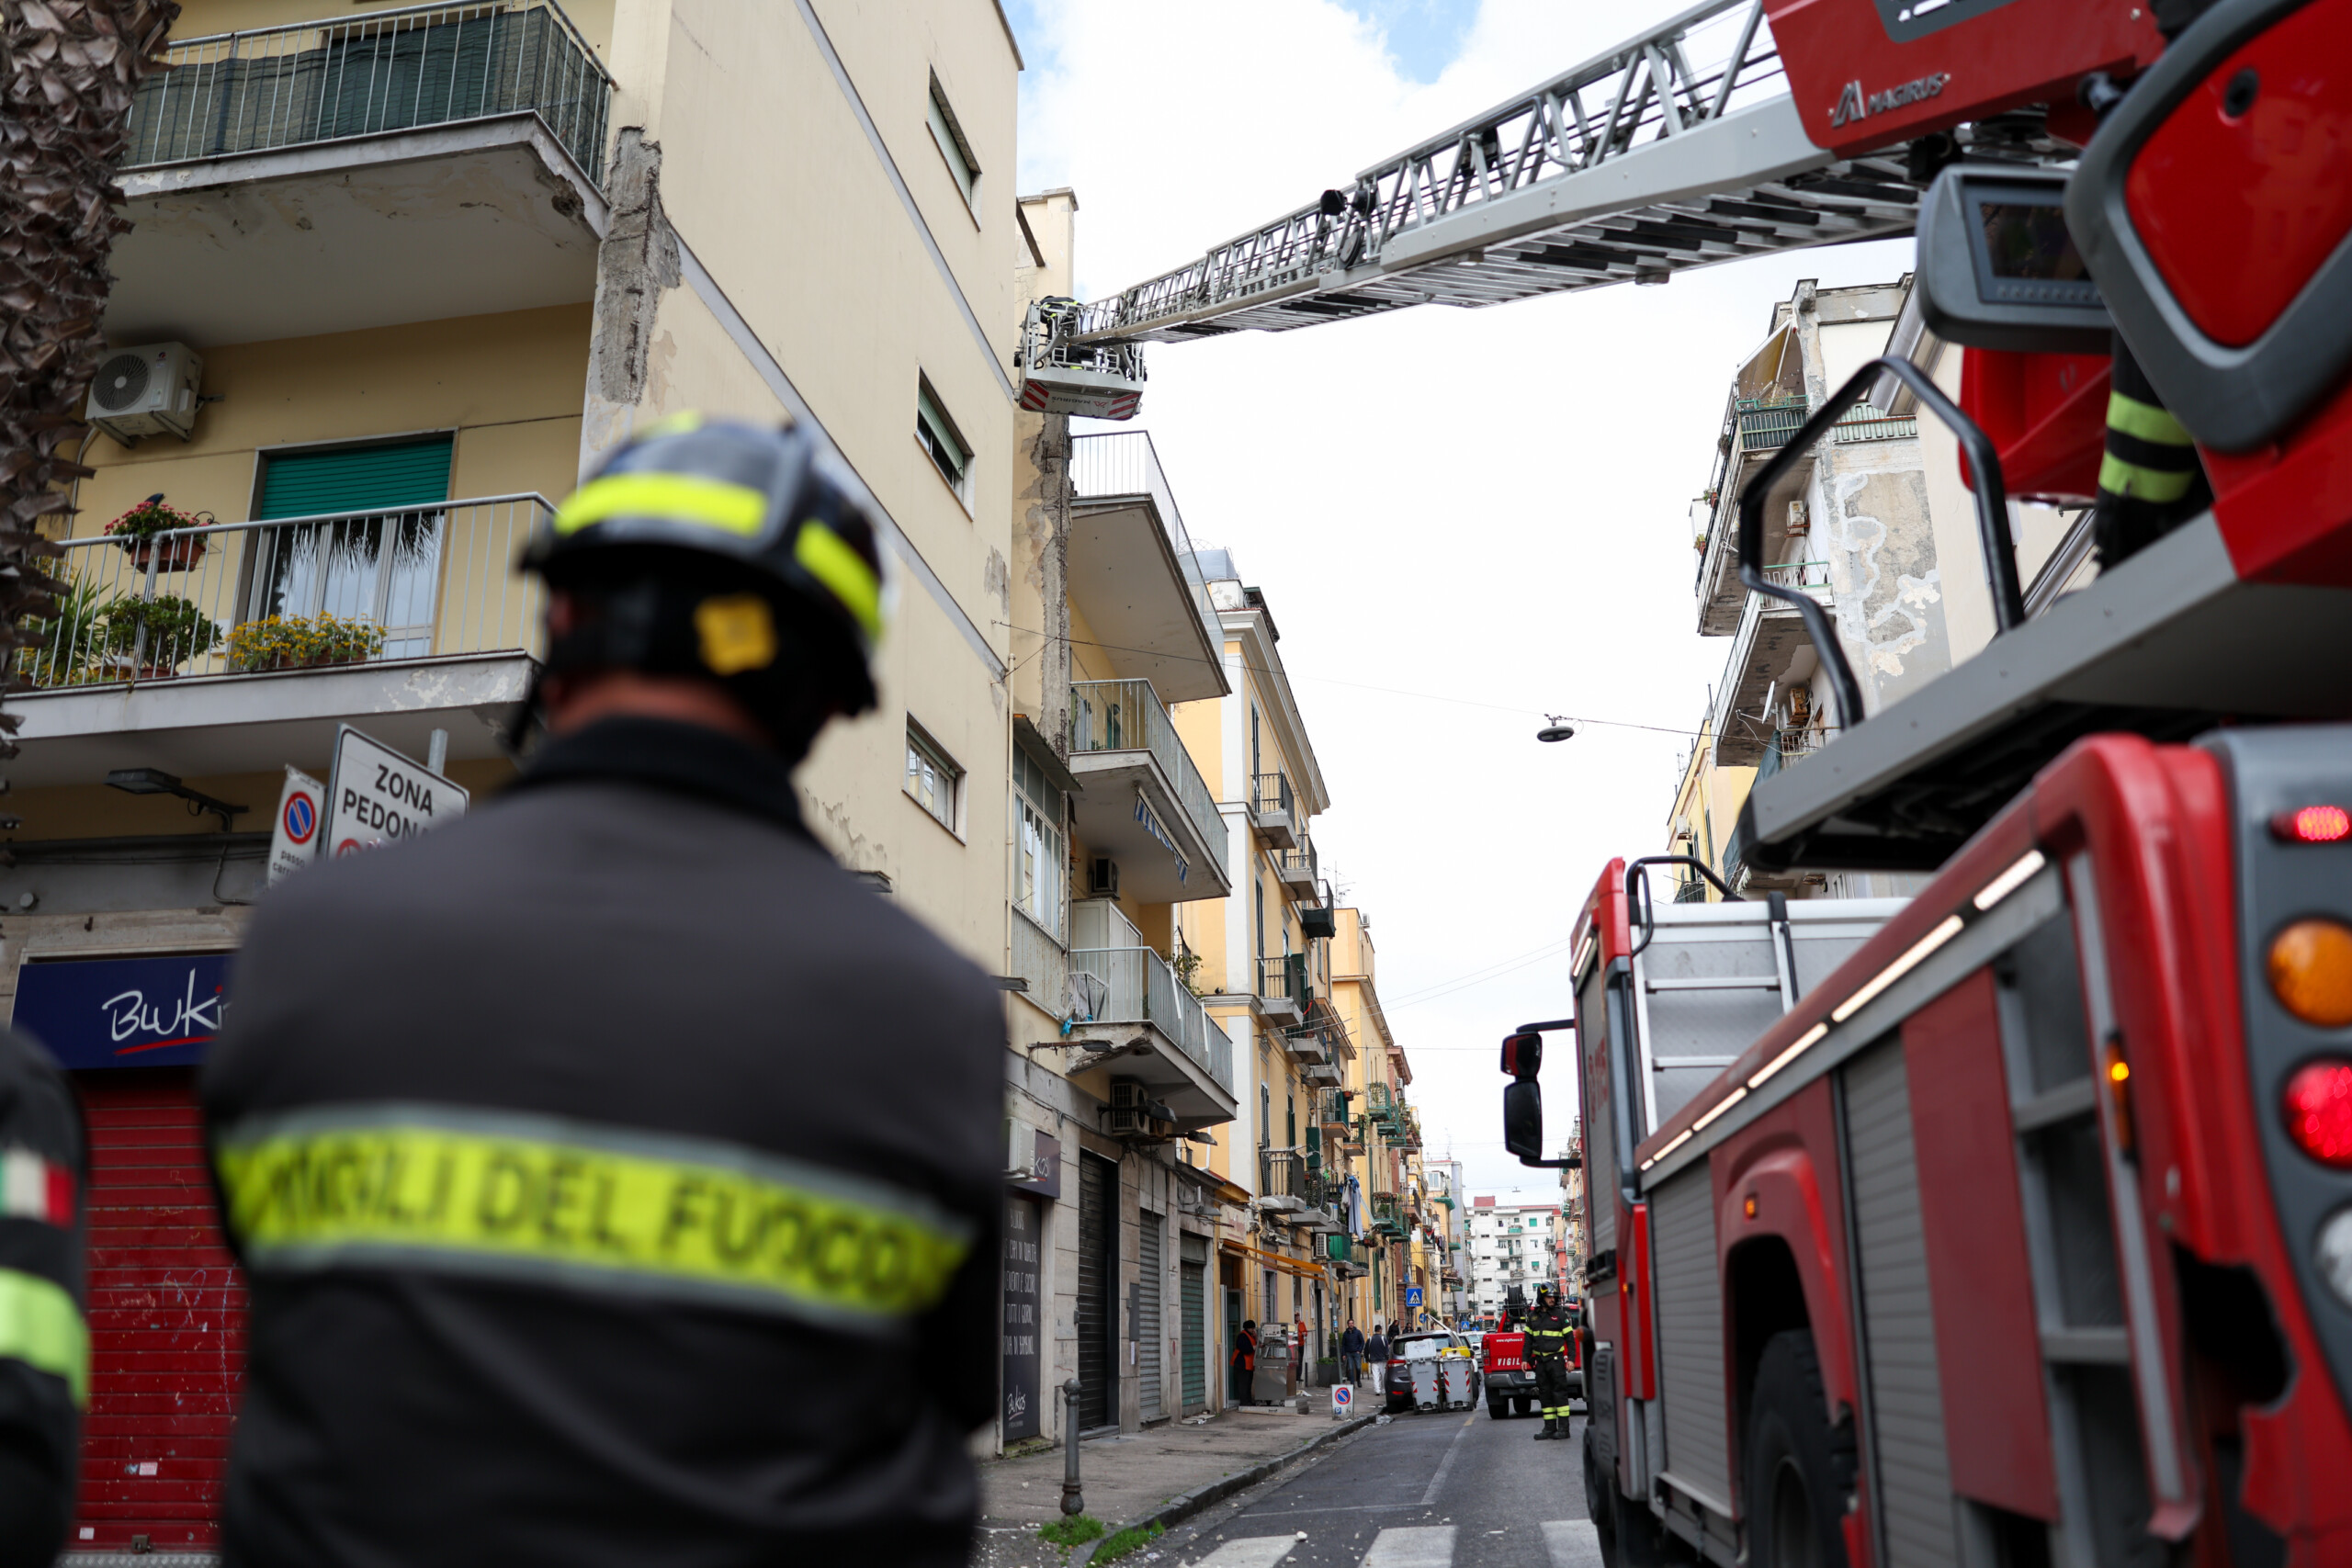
<point>136,530</point>
<point>303,642</point>
<point>178,631</point>
<point>60,647</point>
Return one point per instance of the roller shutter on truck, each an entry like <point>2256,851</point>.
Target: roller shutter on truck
<point>1690,1338</point>
<point>167,1321</point>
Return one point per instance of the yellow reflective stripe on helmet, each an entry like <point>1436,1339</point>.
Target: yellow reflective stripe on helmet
<point>604,1209</point>
<point>2145,420</point>
<point>41,1326</point>
<point>2117,477</point>
<point>715,503</point>
<point>827,556</point>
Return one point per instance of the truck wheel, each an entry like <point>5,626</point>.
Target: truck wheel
<point>1600,1504</point>
<point>1799,1471</point>
<point>1630,1537</point>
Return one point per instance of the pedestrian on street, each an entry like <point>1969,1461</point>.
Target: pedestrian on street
<point>1245,1361</point>
<point>1378,1351</point>
<point>1351,1355</point>
<point>679,1237</point>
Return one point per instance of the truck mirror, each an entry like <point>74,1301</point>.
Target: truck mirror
<point>1523,1119</point>
<point>1523,1056</point>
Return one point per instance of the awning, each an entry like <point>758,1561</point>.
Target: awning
<point>1286,1264</point>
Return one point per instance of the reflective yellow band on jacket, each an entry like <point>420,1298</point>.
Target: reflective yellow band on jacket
<point>827,556</point>
<point>41,1326</point>
<point>599,1209</point>
<point>2145,420</point>
<point>733,508</point>
<point>2117,477</point>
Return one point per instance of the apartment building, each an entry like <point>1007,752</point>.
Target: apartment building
<point>1876,526</point>
<point>1512,1243</point>
<point>395,278</point>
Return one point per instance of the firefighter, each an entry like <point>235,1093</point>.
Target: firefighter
<point>44,1339</point>
<point>1547,1339</point>
<point>616,1176</point>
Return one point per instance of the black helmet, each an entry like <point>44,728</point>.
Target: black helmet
<point>723,549</point>
<point>1543,1295</point>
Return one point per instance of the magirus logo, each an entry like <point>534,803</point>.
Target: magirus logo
<point>1853,105</point>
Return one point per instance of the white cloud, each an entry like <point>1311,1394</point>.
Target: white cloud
<point>1489,505</point>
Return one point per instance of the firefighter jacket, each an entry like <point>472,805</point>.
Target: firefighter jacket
<point>44,1340</point>
<point>1547,1332</point>
<point>619,1183</point>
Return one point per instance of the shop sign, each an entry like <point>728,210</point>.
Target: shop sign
<point>1023,1359</point>
<point>301,810</point>
<point>379,796</point>
<point>124,1012</point>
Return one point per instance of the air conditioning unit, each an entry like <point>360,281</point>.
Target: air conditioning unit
<point>1134,1114</point>
<point>1103,878</point>
<point>146,391</point>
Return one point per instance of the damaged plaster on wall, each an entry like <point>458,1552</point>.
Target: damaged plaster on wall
<point>637,263</point>
<point>1885,576</point>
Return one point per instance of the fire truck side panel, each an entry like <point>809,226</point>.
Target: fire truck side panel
<point>1971,1220</point>
<point>1691,1339</point>
<point>1594,1081</point>
<point>1908,1455</point>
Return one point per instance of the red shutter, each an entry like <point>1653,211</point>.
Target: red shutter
<point>167,1321</point>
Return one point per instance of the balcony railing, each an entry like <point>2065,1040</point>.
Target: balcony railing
<point>1300,867</point>
<point>1125,462</point>
<point>1864,422</point>
<point>1793,743</point>
<point>1269,793</point>
<point>332,79</point>
<point>1038,959</point>
<point>1134,985</point>
<point>1798,574</point>
<point>292,593</point>
<point>1282,1173</point>
<point>1284,979</point>
<point>1127,716</point>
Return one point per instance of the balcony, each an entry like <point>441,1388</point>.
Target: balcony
<point>1283,1182</point>
<point>1144,804</point>
<point>1271,810</point>
<point>363,171</point>
<point>237,647</point>
<point>1298,870</point>
<point>1283,995</point>
<point>1038,961</point>
<point>1765,655</point>
<point>1318,915</point>
<point>1387,1214</point>
<point>1131,570</point>
<point>1128,1001</point>
<point>1754,429</point>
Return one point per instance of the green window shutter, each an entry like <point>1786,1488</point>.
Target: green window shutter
<point>360,478</point>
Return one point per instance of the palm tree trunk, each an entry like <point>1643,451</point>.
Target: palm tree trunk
<point>68,69</point>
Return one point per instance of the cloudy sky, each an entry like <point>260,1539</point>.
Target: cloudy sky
<point>1463,520</point>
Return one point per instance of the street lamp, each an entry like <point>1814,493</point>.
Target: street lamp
<point>155,781</point>
<point>1558,728</point>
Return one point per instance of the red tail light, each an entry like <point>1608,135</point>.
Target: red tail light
<point>2313,825</point>
<point>2319,1111</point>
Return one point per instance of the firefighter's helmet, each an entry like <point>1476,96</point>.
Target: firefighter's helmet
<point>734,550</point>
<point>1545,1299</point>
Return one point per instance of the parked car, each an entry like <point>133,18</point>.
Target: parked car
<point>1507,1375</point>
<point>1407,1348</point>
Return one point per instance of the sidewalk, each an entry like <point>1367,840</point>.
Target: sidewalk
<point>1128,1476</point>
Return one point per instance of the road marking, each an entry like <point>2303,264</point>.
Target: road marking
<point>1412,1546</point>
<point>1257,1552</point>
<point>1429,1498</point>
<point>1573,1543</point>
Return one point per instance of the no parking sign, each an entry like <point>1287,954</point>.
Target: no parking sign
<point>294,841</point>
<point>1344,1399</point>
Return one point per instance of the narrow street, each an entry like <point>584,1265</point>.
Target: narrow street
<point>1458,1490</point>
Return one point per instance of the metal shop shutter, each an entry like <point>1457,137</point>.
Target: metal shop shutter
<point>167,1321</point>
<point>1196,1351</point>
<point>355,479</point>
<point>1149,1281</point>
<point>1098,1269</point>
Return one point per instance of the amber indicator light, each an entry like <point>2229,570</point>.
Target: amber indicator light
<point>2313,825</point>
<point>2310,971</point>
<point>2319,1110</point>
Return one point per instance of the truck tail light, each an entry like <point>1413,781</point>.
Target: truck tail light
<point>2319,1110</point>
<point>2310,971</point>
<point>2313,825</point>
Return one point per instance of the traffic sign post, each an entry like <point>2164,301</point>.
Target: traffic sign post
<point>294,840</point>
<point>379,796</point>
<point>1344,1399</point>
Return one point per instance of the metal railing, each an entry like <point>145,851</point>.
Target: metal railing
<point>1134,985</point>
<point>1269,793</point>
<point>1127,716</point>
<point>1284,978</point>
<point>1282,1173</point>
<point>1799,574</point>
<point>1038,959</point>
<point>291,593</point>
<point>1299,864</point>
<point>1125,463</point>
<point>1864,422</point>
<point>342,77</point>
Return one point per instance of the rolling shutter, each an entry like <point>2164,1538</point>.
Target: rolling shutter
<point>1691,1337</point>
<point>167,1321</point>
<point>1196,1353</point>
<point>355,479</point>
<point>1097,1270</point>
<point>1150,1281</point>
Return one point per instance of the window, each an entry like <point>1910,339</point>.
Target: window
<point>936,434</point>
<point>932,777</point>
<point>380,563</point>
<point>1040,877</point>
<point>955,148</point>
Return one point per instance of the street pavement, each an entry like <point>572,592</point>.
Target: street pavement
<point>1426,1491</point>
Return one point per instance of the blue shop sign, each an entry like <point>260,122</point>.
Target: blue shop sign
<point>123,1012</point>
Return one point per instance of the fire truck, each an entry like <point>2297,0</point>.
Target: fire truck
<point>2010,1223</point>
